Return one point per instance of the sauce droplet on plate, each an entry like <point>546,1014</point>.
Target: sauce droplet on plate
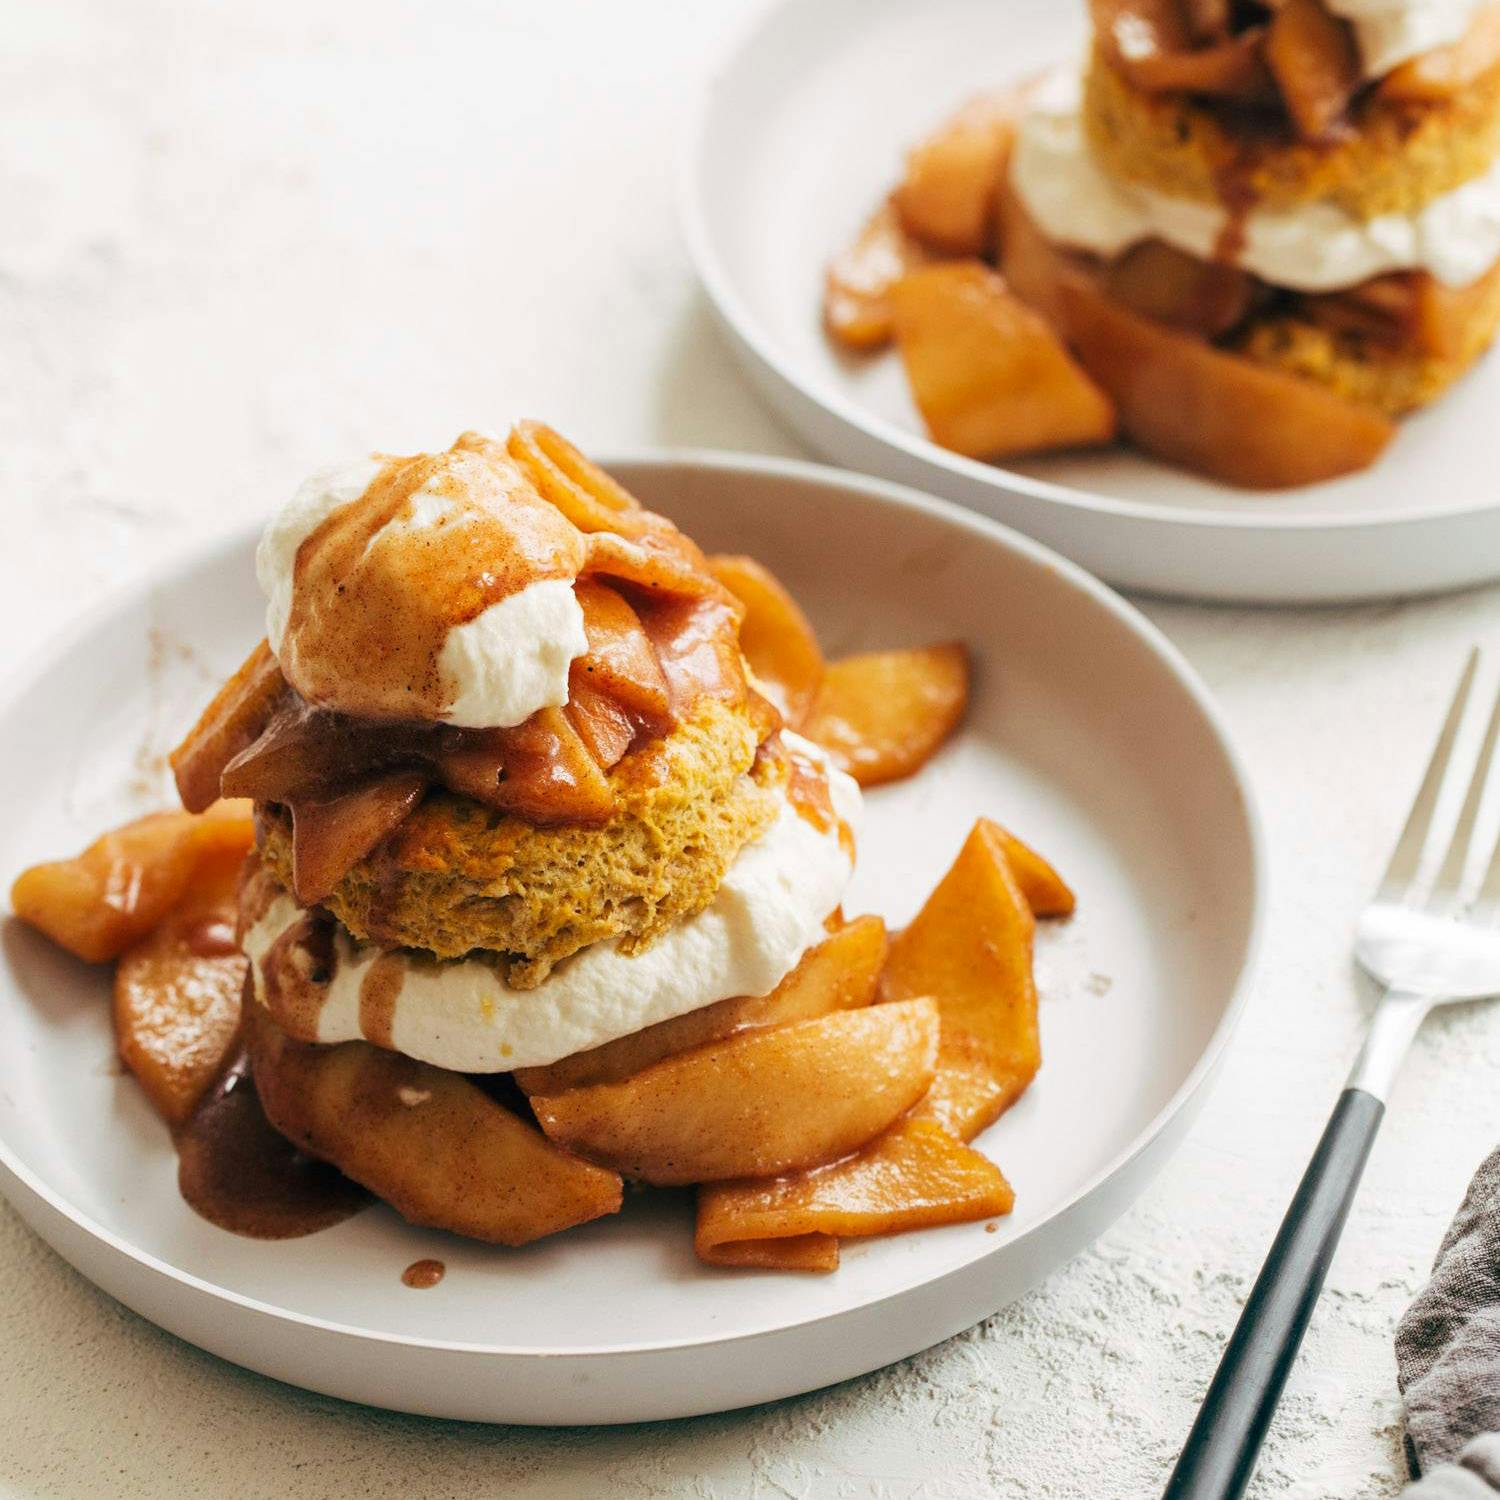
<point>423,1273</point>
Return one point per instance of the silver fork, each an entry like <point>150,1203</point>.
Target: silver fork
<point>1429,941</point>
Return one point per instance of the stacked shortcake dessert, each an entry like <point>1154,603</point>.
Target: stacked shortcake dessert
<point>505,880</point>
<point>1260,230</point>
<point>516,798</point>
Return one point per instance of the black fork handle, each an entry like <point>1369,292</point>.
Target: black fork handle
<point>1219,1455</point>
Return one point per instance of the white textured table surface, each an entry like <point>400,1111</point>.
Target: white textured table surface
<point>236,240</point>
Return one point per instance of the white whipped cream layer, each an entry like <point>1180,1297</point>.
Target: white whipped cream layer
<point>1316,247</point>
<point>460,1014</point>
<point>1391,32</point>
<point>498,668</point>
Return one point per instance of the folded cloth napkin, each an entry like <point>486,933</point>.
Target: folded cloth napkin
<point>1474,1475</point>
<point>1448,1355</point>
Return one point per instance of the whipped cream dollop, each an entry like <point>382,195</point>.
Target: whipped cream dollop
<point>460,1014</point>
<point>1391,32</point>
<point>495,669</point>
<point>1315,247</point>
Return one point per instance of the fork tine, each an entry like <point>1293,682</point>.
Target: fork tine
<point>1487,902</point>
<point>1450,878</point>
<point>1407,855</point>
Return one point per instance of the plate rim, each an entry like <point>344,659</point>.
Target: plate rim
<point>137,592</point>
<point>741,323</point>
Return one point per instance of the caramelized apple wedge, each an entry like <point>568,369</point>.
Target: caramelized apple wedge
<point>101,901</point>
<point>177,991</point>
<point>914,1176</point>
<point>578,487</point>
<point>1169,286</point>
<point>625,540</point>
<point>606,730</point>
<point>758,1104</point>
<point>839,974</point>
<point>989,376</point>
<point>1155,44</point>
<point>857,288</point>
<point>883,715</point>
<point>1212,411</point>
<point>970,946</point>
<point>545,773</point>
<point>331,835</point>
<point>1046,892</point>
<point>798,1252</point>
<point>619,662</point>
<point>240,711</point>
<point>1208,20</point>
<point>429,1142</point>
<point>1407,309</point>
<point>946,199</point>
<point>694,648</point>
<point>775,636</point>
<point>1315,60</point>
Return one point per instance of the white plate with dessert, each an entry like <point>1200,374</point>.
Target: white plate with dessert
<point>623,1139</point>
<point>1242,316</point>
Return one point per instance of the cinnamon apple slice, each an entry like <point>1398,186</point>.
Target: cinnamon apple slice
<point>177,991</point>
<point>331,835</point>
<point>915,1176</point>
<point>839,974</point>
<point>883,715</point>
<point>606,730</point>
<point>970,947</point>
<point>1208,20</point>
<point>1169,286</point>
<point>620,662</point>
<point>1046,892</point>
<point>1408,309</point>
<point>775,636</point>
<point>946,199</point>
<point>857,287</point>
<point>304,751</point>
<point>240,711</point>
<point>577,486</point>
<point>1156,45</point>
<point>541,770</point>
<point>801,1252</point>
<point>989,376</point>
<point>1211,411</point>
<point>428,1141</point>
<point>98,903</point>
<point>626,540</point>
<point>757,1104</point>
<point>697,645</point>
<point>1315,60</point>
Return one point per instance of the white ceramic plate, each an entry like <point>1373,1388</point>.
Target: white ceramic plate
<point>1088,735</point>
<point>802,132</point>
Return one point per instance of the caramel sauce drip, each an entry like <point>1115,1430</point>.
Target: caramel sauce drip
<point>422,1274</point>
<point>1239,199</point>
<point>807,791</point>
<point>296,973</point>
<point>378,992</point>
<point>235,1170</point>
<point>377,588</point>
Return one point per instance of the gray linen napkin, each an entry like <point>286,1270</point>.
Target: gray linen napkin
<point>1448,1355</point>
